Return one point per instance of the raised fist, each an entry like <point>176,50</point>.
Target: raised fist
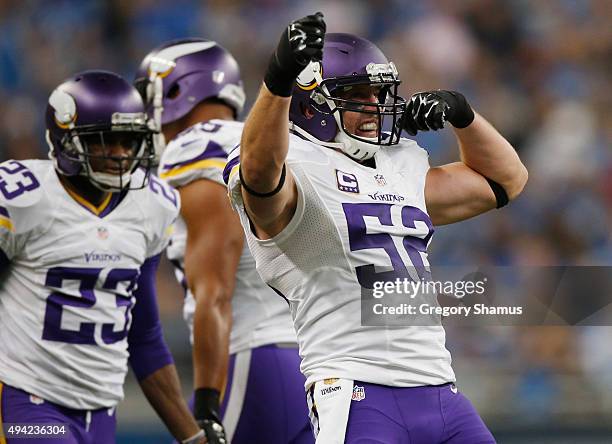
<point>300,43</point>
<point>430,110</point>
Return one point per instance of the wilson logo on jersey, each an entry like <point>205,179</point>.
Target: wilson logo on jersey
<point>329,390</point>
<point>347,182</point>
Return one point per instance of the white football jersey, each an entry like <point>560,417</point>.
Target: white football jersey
<point>260,316</point>
<point>353,225</point>
<point>66,298</point>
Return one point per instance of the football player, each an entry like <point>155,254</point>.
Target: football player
<point>80,240</point>
<point>248,386</point>
<point>314,161</point>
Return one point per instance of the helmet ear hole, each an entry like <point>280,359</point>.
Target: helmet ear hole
<point>174,91</point>
<point>307,111</point>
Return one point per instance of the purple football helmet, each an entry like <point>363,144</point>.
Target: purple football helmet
<point>86,116</point>
<point>180,74</point>
<point>348,61</point>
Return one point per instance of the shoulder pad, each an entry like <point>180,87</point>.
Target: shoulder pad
<point>161,206</point>
<point>23,185</point>
<point>302,150</point>
<point>164,195</point>
<point>408,157</point>
<point>20,183</point>
<point>203,146</point>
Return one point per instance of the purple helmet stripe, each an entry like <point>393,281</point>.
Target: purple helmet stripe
<point>228,168</point>
<point>213,149</point>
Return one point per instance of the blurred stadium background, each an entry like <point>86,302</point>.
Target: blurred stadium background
<point>539,70</point>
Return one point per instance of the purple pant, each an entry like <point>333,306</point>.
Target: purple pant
<point>264,398</point>
<point>81,426</point>
<point>414,415</point>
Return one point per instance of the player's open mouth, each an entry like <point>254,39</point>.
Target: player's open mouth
<point>368,129</point>
<point>115,171</point>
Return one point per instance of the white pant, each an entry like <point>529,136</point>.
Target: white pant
<point>329,402</point>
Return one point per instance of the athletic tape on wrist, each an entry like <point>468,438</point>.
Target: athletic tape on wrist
<point>195,439</point>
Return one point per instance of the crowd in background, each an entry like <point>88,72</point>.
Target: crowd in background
<point>538,70</point>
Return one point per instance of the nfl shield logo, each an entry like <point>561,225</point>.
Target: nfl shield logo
<point>102,233</point>
<point>36,400</point>
<point>380,180</point>
<point>358,393</point>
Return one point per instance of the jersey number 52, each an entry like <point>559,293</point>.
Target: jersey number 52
<point>360,239</point>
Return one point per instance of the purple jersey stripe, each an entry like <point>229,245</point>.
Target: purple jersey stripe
<point>228,168</point>
<point>115,200</point>
<point>4,212</point>
<point>213,149</point>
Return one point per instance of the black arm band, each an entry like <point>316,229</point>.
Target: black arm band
<point>251,191</point>
<point>500,194</point>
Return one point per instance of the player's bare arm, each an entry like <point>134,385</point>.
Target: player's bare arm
<point>163,391</point>
<point>490,172</point>
<point>211,261</point>
<point>268,188</point>
<point>152,362</point>
<point>263,151</point>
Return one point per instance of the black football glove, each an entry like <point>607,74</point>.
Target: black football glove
<point>430,110</point>
<point>206,412</point>
<point>300,43</point>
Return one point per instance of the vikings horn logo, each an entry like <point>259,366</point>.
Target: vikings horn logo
<point>306,80</point>
<point>65,108</point>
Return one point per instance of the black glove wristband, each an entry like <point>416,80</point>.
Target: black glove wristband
<point>206,404</point>
<point>460,114</point>
<point>278,81</point>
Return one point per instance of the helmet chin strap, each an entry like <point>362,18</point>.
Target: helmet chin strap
<point>108,182</point>
<point>356,149</point>
<point>111,182</point>
<point>353,148</point>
